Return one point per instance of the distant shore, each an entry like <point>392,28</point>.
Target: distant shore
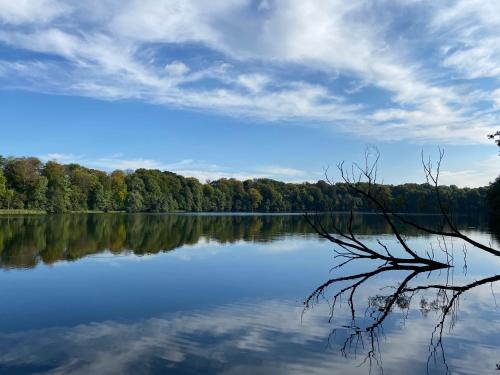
<point>6,212</point>
<point>22,212</point>
<point>42,212</point>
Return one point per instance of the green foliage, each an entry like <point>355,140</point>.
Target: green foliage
<point>255,198</point>
<point>23,176</point>
<point>494,196</point>
<point>135,202</point>
<point>3,185</point>
<point>26,183</point>
<point>98,198</point>
<point>38,197</point>
<point>118,191</point>
<point>59,188</point>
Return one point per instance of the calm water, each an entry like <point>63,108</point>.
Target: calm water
<point>186,294</point>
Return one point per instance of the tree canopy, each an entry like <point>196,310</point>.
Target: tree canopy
<point>27,183</point>
<point>494,188</point>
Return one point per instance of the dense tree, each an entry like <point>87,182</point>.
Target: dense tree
<point>494,188</point>
<point>134,202</point>
<point>83,183</point>
<point>494,196</point>
<point>23,176</point>
<point>100,197</point>
<point>59,188</point>
<point>3,188</point>
<point>255,198</point>
<point>28,183</point>
<point>38,199</point>
<point>119,190</point>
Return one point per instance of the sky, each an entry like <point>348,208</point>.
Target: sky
<point>280,89</point>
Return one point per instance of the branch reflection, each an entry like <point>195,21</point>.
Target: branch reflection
<point>362,331</point>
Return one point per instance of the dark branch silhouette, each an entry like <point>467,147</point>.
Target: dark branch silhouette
<point>362,180</point>
<point>379,307</point>
<point>496,137</point>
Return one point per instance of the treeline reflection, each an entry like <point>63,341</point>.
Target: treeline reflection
<point>25,241</point>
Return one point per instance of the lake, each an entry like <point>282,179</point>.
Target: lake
<point>224,294</point>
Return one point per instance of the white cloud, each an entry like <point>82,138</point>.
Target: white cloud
<point>495,98</point>
<point>176,68</point>
<point>115,50</point>
<point>60,157</point>
<point>20,11</point>
<point>125,164</point>
<point>473,47</point>
<point>484,172</point>
<point>199,169</point>
<point>116,161</point>
<point>253,82</point>
<point>282,171</point>
<point>477,174</point>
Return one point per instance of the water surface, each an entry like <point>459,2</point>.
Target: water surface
<point>148,294</point>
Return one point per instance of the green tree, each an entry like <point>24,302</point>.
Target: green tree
<point>58,187</point>
<point>98,199</point>
<point>26,183</point>
<point>255,198</point>
<point>6,194</point>
<point>3,185</point>
<point>119,190</point>
<point>23,176</point>
<point>39,194</point>
<point>494,196</point>
<point>134,202</point>
<point>82,183</point>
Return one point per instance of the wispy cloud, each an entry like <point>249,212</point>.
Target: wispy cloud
<point>60,157</point>
<point>282,171</point>
<point>26,11</point>
<point>269,60</point>
<point>481,174</point>
<point>200,169</point>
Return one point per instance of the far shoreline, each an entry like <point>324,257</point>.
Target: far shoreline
<point>28,212</point>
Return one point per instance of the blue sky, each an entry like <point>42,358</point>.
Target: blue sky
<point>242,88</point>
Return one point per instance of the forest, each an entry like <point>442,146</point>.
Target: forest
<point>27,183</point>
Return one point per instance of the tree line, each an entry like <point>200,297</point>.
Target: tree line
<point>28,183</point>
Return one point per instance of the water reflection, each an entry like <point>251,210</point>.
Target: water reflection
<point>361,332</point>
<point>232,304</point>
<point>418,288</point>
<point>26,241</point>
<point>261,337</point>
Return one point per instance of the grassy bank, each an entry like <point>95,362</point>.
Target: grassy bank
<point>41,212</point>
<point>22,212</point>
